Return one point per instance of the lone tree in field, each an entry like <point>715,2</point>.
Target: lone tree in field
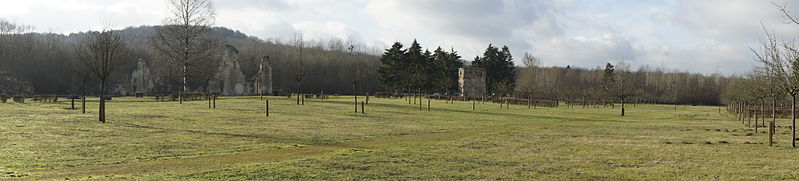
<point>299,67</point>
<point>102,53</point>
<point>184,39</point>
<point>358,72</point>
<point>618,82</point>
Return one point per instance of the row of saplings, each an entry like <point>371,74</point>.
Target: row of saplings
<point>17,98</point>
<point>44,98</point>
<point>746,112</point>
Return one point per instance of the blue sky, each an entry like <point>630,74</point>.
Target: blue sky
<point>707,36</point>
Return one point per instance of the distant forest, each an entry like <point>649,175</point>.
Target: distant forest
<point>43,59</point>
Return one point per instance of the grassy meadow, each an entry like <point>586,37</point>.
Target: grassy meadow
<point>394,140</point>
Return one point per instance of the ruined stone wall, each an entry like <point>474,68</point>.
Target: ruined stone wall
<point>142,80</point>
<point>471,82</point>
<point>229,80</point>
<point>262,81</point>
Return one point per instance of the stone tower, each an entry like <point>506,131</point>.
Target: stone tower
<point>471,82</point>
<point>262,81</point>
<point>141,80</point>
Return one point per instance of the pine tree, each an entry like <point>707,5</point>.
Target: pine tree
<point>390,73</point>
<point>499,68</point>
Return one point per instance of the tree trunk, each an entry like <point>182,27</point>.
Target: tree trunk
<point>83,96</point>
<point>793,119</point>
<point>355,93</point>
<point>774,110</point>
<point>102,101</point>
<point>298,93</point>
<point>622,107</point>
<point>185,81</point>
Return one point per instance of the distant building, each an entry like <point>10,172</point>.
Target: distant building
<point>471,82</point>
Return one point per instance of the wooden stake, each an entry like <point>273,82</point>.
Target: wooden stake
<point>428,104</point>
<point>83,106</point>
<point>214,101</point>
<point>356,103</point>
<point>420,102</point>
<point>770,132</point>
<point>266,108</point>
<point>363,110</point>
<point>473,104</point>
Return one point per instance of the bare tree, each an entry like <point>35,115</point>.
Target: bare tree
<point>781,62</point>
<point>621,86</point>
<point>184,39</point>
<point>358,71</point>
<point>102,53</point>
<point>528,80</point>
<point>299,67</point>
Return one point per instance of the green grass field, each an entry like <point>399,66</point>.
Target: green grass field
<point>327,140</point>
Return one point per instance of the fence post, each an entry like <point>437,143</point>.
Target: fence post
<point>83,106</point>
<point>770,132</point>
<point>267,107</point>
<point>363,110</point>
<point>428,104</point>
<point>214,101</point>
<point>473,104</point>
<point>420,102</point>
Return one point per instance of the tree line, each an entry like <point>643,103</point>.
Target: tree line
<point>44,59</point>
<point>417,70</point>
<point>413,69</point>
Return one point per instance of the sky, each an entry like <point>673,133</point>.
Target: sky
<point>707,36</point>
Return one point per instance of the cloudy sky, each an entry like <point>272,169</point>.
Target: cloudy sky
<point>707,36</point>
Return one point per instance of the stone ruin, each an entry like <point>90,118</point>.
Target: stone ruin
<point>471,82</point>
<point>141,81</point>
<point>10,85</point>
<point>262,81</point>
<point>229,80</point>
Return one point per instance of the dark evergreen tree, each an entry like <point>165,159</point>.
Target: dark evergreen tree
<point>416,68</point>
<point>446,64</point>
<point>390,73</point>
<point>499,68</point>
<point>608,76</point>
